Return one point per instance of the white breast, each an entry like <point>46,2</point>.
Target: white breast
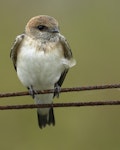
<point>39,68</point>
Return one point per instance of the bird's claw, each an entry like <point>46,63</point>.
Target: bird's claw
<point>57,89</point>
<point>32,92</point>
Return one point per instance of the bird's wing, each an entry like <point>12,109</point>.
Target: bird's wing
<point>15,48</point>
<point>66,47</point>
<point>69,61</point>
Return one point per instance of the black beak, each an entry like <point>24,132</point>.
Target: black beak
<point>55,30</point>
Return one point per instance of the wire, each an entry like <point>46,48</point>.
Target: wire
<point>74,89</point>
<point>75,104</point>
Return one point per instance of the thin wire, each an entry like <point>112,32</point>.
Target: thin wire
<point>74,89</point>
<point>75,104</point>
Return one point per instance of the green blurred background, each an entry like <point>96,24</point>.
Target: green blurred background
<point>92,28</point>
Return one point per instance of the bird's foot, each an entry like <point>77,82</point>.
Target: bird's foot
<point>57,89</point>
<point>32,92</point>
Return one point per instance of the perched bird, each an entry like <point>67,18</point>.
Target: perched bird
<point>42,57</point>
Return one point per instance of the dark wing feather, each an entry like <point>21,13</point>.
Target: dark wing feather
<point>14,49</point>
<point>67,54</point>
<point>62,77</point>
<point>66,48</point>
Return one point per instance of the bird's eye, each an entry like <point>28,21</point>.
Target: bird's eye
<point>41,27</point>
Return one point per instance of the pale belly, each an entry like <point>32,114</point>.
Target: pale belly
<point>39,69</point>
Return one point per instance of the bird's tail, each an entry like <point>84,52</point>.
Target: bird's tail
<point>43,120</point>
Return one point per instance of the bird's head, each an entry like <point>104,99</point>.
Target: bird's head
<point>42,26</point>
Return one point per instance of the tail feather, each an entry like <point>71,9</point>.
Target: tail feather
<point>49,119</point>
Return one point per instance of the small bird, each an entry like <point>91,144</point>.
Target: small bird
<point>42,57</point>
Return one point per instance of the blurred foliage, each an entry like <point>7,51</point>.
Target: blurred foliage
<point>92,28</point>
